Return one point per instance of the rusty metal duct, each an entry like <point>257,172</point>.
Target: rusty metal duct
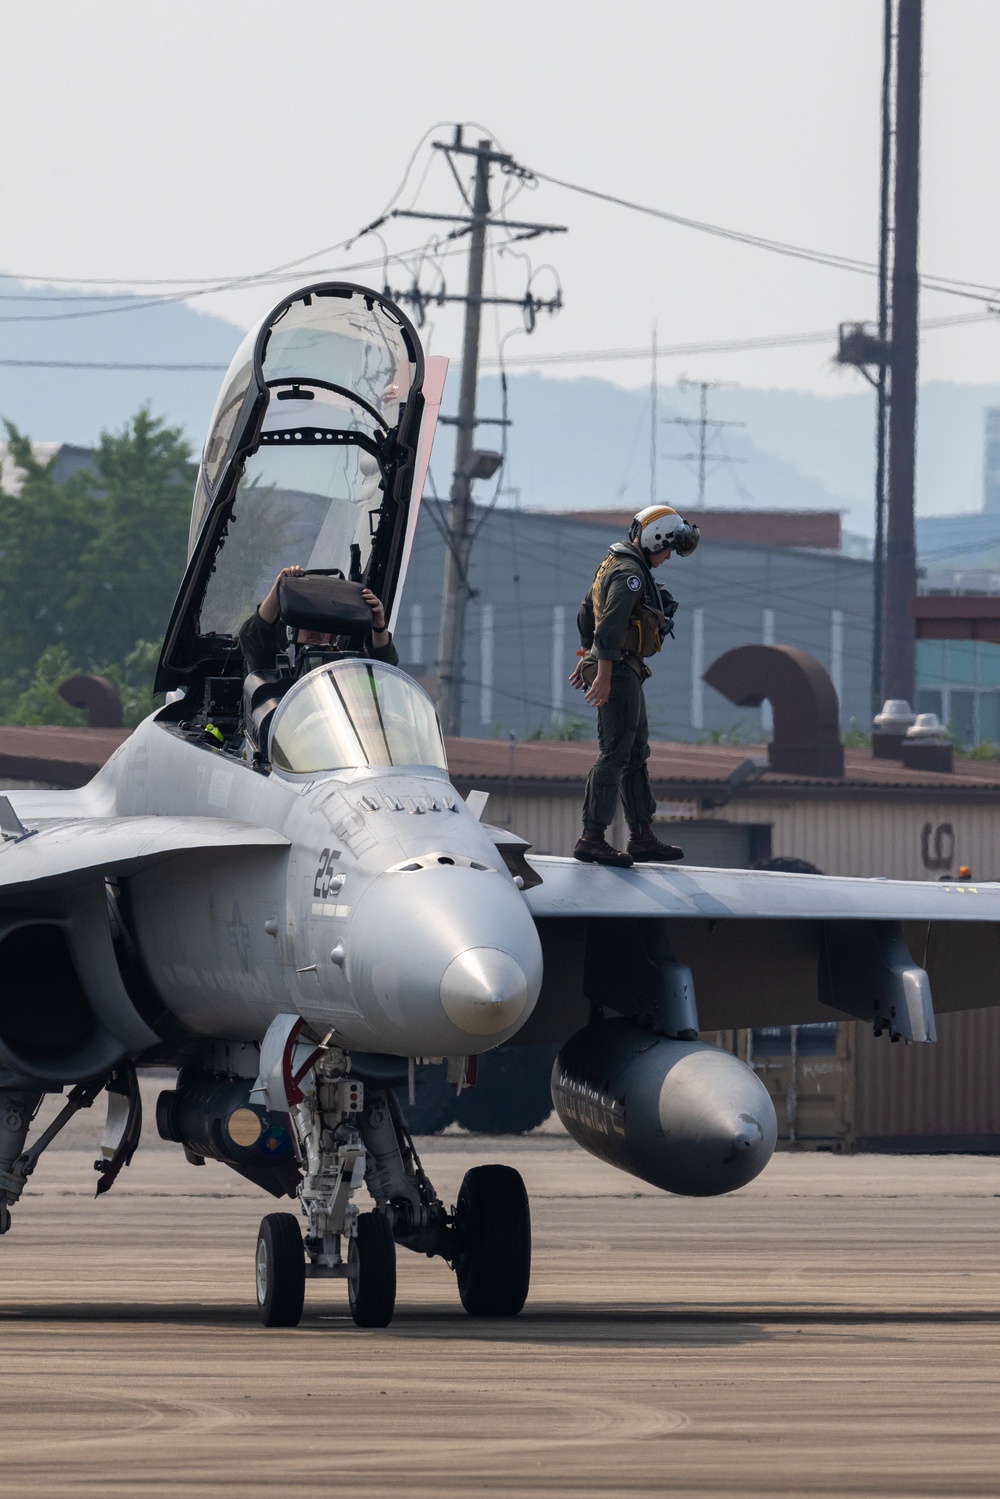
<point>803,703</point>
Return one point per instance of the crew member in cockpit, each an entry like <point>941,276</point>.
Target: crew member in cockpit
<point>262,636</point>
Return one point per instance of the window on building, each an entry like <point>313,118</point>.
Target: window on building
<point>959,680</point>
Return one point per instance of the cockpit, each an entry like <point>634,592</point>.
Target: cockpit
<point>310,460</point>
<point>314,459</point>
<point>353,714</point>
<point>337,372</point>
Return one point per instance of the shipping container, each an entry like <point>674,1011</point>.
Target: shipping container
<point>808,1072</point>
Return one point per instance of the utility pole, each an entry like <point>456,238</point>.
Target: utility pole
<point>470,463</point>
<point>455,594</point>
<point>704,427</point>
<point>900,552</point>
<point>882,388</point>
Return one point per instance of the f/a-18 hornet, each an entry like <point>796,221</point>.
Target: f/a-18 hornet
<point>273,887</point>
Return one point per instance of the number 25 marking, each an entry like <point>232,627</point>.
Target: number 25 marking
<point>321,891</point>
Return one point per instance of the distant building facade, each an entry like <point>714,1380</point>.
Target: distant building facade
<point>529,572</point>
<point>991,459</point>
<point>63,458</point>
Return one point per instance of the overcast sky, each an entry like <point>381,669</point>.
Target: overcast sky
<point>219,139</point>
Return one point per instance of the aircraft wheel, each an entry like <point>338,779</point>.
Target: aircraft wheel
<point>281,1270</point>
<point>493,1232</point>
<point>371,1263</point>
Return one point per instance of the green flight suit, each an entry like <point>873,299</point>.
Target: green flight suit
<point>608,632</point>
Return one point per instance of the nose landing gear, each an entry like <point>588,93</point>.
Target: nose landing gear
<point>345,1134</point>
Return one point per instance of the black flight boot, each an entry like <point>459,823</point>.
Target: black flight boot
<point>646,848</point>
<point>593,848</point>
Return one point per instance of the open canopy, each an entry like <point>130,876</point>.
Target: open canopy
<point>309,460</point>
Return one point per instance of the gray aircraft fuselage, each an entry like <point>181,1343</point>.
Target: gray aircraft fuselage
<point>331,927</point>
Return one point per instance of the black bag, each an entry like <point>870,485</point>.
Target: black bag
<point>669,606</point>
<point>317,601</point>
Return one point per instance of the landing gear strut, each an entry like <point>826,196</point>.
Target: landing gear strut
<point>346,1133</point>
<point>18,1107</point>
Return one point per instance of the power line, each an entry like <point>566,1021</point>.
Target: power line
<point>286,265</point>
<point>578,356</point>
<point>277,277</point>
<point>96,364</point>
<point>721,346</point>
<point>951,285</point>
<point>520,177</point>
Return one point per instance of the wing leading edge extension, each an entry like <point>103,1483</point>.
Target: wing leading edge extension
<point>48,855</point>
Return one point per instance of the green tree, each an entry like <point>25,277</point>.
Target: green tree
<point>134,681</point>
<point>45,531</point>
<point>40,702</point>
<point>91,565</point>
<point>132,564</point>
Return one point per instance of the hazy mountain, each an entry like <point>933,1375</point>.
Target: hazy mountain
<point>578,442</point>
<point>574,443</point>
<point>75,405</point>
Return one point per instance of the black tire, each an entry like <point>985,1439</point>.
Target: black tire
<point>493,1249</point>
<point>433,1108</point>
<point>371,1261</point>
<point>281,1270</point>
<point>512,1094</point>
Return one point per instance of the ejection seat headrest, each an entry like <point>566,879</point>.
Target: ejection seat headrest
<point>318,601</point>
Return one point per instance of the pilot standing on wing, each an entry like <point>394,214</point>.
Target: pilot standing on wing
<point>625,618</point>
<point>262,635</point>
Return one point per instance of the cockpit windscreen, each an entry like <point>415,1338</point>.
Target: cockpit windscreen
<point>353,714</point>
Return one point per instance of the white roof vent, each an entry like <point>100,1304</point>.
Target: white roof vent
<point>927,728</point>
<point>896,717</point>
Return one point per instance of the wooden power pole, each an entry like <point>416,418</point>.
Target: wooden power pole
<point>470,462</point>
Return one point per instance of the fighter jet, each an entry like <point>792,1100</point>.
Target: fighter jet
<point>273,887</point>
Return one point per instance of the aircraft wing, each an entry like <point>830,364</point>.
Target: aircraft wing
<point>570,888</point>
<point>764,948</point>
<point>52,854</point>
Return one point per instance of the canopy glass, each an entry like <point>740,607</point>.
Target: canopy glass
<point>353,714</point>
<point>309,461</point>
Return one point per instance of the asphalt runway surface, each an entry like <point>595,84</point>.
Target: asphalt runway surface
<point>832,1329</point>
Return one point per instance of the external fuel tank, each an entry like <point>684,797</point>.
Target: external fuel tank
<point>682,1115</point>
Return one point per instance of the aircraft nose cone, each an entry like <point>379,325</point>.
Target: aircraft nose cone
<point>483,991</point>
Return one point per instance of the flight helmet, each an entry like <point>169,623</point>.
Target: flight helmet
<point>659,526</point>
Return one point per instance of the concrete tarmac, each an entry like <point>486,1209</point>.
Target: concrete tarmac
<point>832,1329</point>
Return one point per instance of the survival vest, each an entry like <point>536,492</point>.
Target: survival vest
<point>653,612</point>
